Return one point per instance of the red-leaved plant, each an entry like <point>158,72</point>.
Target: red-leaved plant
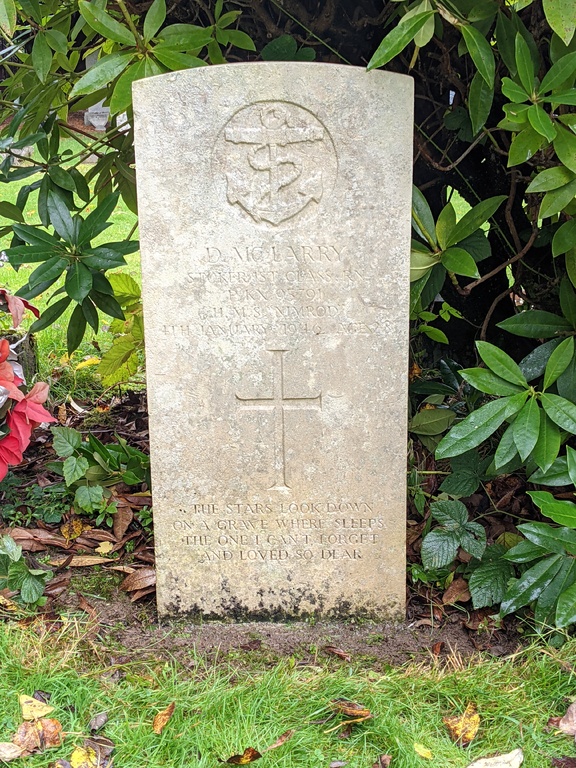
<point>19,413</point>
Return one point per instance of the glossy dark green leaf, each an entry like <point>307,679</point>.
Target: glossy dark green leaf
<point>240,40</point>
<point>524,146</point>
<point>551,178</point>
<point>396,40</point>
<point>507,450</point>
<point>107,304</point>
<point>35,236</point>
<point>559,361</point>
<point>105,24</point>
<point>525,552</point>
<point>60,218</point>
<point>422,218</point>
<point>566,607</point>
<point>561,411</point>
<point>531,584</point>
<point>561,15</point>
<point>513,91</point>
<point>283,48</point>
<point>535,324</point>
<point>50,315</point>
<point>78,282</point>
<point>475,218</point>
<point>564,238</point>
<point>501,363</point>
<point>175,60</point>
<point>565,146</point>
<point>558,73</point>
<point>41,56</point>
<point>481,52</point>
<point>562,512</point>
<point>184,37</point>
<point>546,449</point>
<point>479,425</point>
<point>541,122</point>
<point>545,610</point>
<point>460,262</point>
<point>48,270</point>
<point>526,428</point>
<point>61,177</point>
<point>524,65</point>
<point>488,382</point>
<point>76,329</point>
<point>8,16</point>
<point>97,221</point>
<point>556,475</point>
<point>431,421</point>
<point>28,254</point>
<point>557,200</point>
<point>480,99</point>
<point>122,93</point>
<point>10,211</point>
<point>155,17</point>
<point>91,314</point>
<point>566,383</point>
<point>102,73</point>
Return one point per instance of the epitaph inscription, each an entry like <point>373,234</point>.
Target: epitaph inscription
<point>278,158</point>
<point>275,234</point>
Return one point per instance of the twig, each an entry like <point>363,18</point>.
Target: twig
<point>470,287</point>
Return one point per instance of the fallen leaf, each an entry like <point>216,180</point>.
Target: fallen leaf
<point>98,722</point>
<point>338,764</point>
<point>32,708</point>
<point>350,708</point>
<point>564,762</point>
<point>463,728</point>
<point>58,584</point>
<point>437,648</point>
<point>38,735</point>
<point>84,757</point>
<point>43,696</point>
<point>281,740</point>
<point>81,561</point>
<point>337,652</point>
<point>567,724</point>
<point>60,763</point>
<point>512,759</point>
<point>104,547</point>
<point>7,605</point>
<point>161,719</point>
<point>345,733</point>
<point>423,751</point>
<point>9,751</point>
<point>141,593</point>
<point>102,746</point>
<point>457,592</point>
<point>383,761</point>
<point>248,756</point>
<point>122,519</point>
<point>143,578</point>
<point>73,528</point>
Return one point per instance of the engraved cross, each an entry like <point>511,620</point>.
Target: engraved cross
<point>279,404</point>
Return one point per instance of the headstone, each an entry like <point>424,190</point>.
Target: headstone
<point>275,230</point>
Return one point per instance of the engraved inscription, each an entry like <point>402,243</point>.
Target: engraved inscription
<point>279,403</point>
<point>278,160</point>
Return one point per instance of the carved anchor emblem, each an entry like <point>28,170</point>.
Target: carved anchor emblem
<point>284,177</point>
<point>279,404</point>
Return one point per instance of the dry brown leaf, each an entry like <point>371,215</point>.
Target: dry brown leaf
<point>383,761</point>
<point>337,652</point>
<point>286,736</point>
<point>567,724</point>
<point>121,568</point>
<point>58,584</point>
<point>457,592</point>
<point>32,708</point>
<point>437,648</point>
<point>9,751</point>
<point>37,539</point>
<point>463,728</point>
<point>564,762</point>
<point>74,528</point>
<point>38,735</point>
<point>512,759</point>
<point>143,578</point>
<point>248,756</point>
<point>140,593</point>
<point>122,519</point>
<point>350,708</point>
<point>98,722</point>
<point>8,606</point>
<point>162,718</point>
<point>81,561</point>
<point>60,763</point>
<point>103,748</point>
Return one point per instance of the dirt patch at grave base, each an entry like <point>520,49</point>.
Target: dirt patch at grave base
<point>133,628</point>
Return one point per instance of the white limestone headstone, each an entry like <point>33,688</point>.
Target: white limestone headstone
<point>274,207</point>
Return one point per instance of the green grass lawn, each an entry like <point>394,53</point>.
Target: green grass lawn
<point>221,710</point>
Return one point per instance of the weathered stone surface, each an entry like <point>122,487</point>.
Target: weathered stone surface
<point>275,225</point>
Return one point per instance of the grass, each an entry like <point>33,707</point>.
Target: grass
<point>221,710</point>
